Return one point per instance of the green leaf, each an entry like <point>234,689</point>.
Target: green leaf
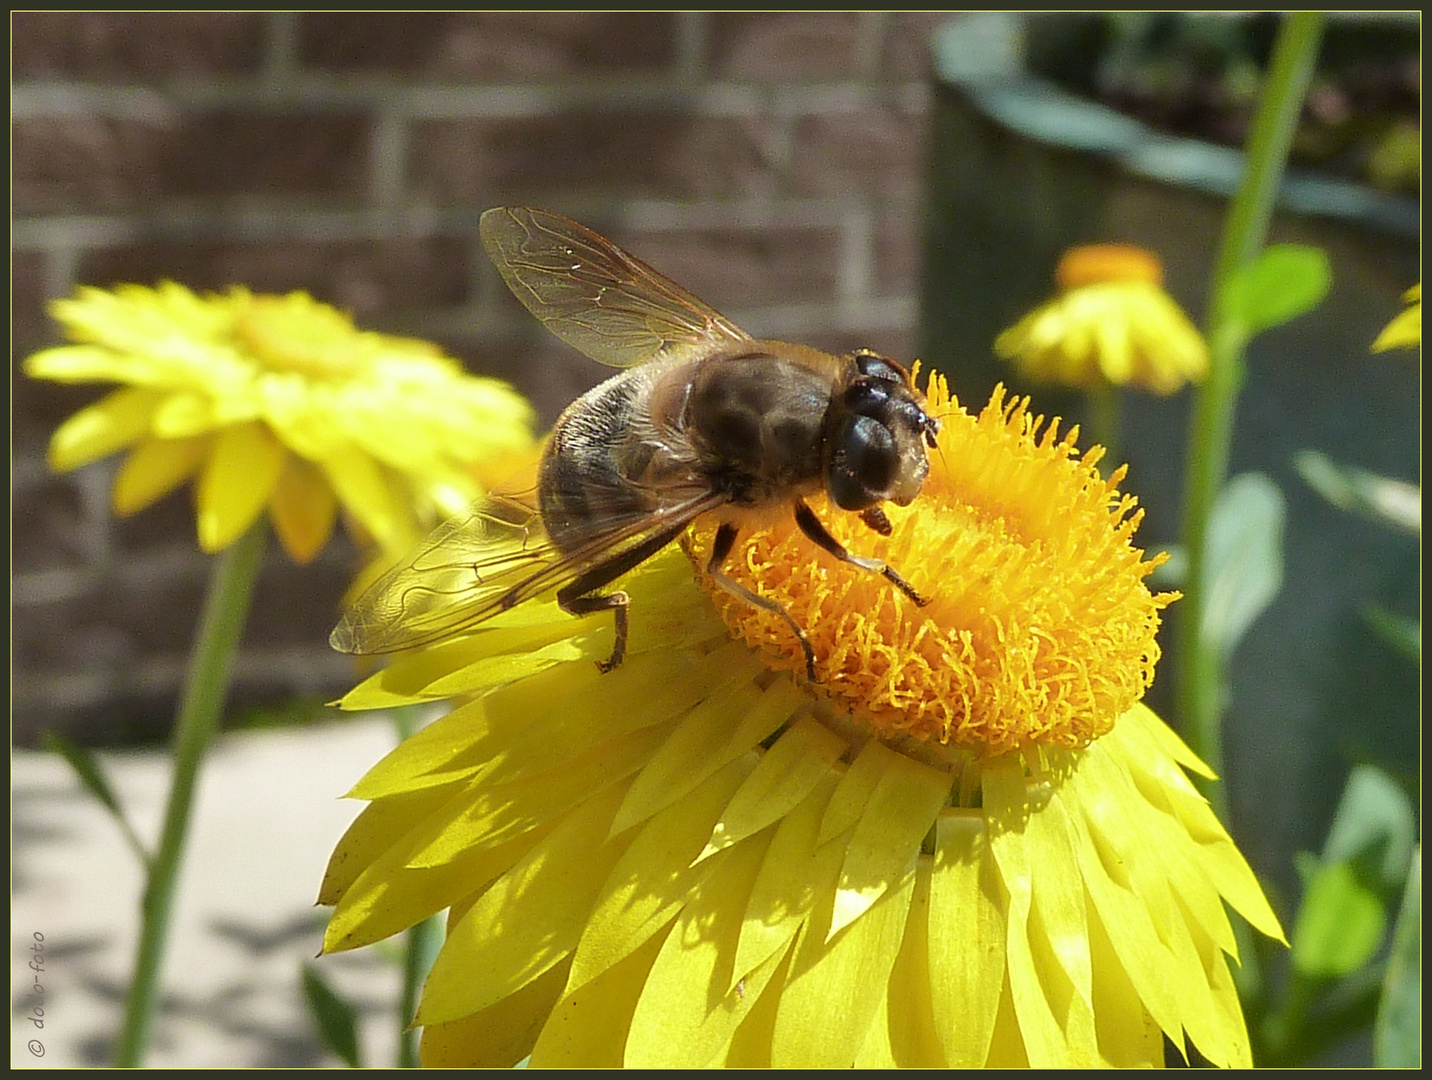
<point>1340,923</point>
<point>1283,282</point>
<point>1375,827</point>
<point>91,776</point>
<point>1402,632</point>
<point>1393,502</point>
<point>1245,557</point>
<point>1397,1032</point>
<point>337,1019</point>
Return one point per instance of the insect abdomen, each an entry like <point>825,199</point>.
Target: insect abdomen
<point>582,482</point>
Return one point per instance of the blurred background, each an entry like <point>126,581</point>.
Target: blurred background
<point>904,181</point>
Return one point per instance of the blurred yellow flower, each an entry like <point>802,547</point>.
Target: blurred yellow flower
<point>1112,323</point>
<point>277,402</point>
<point>968,844</point>
<point>1405,329</point>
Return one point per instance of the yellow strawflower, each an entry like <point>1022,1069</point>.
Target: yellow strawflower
<point>1405,329</point>
<point>274,402</point>
<point>1111,323</point>
<point>968,844</point>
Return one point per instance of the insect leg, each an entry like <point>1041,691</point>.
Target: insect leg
<point>574,597</point>
<point>720,548</point>
<point>811,526</point>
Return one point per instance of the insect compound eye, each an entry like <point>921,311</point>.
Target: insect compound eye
<point>866,396</point>
<point>864,463</point>
<point>875,366</point>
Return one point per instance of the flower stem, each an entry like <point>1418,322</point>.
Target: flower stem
<point>420,943</point>
<point>226,607</point>
<point>1201,670</point>
<point>1105,418</point>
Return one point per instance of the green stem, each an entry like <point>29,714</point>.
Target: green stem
<point>226,607</point>
<point>421,943</point>
<point>1105,418</point>
<point>1201,672</point>
<point>1201,668</point>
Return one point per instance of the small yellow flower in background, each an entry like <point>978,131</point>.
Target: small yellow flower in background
<point>277,402</point>
<point>1112,323</point>
<point>969,844</point>
<point>1405,330</point>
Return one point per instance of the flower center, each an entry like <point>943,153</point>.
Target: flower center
<point>1040,629</point>
<point>1095,264</point>
<point>296,333</point>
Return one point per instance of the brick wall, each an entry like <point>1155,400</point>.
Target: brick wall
<point>769,162</point>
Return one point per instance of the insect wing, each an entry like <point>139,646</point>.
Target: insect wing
<point>462,574</point>
<point>596,297</point>
<point>486,562</point>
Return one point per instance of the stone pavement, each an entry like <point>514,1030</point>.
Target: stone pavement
<point>268,812</point>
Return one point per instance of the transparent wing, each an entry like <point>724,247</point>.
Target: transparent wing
<point>485,562</point>
<point>596,297</point>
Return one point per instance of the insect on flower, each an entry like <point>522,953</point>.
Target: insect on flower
<point>702,420</point>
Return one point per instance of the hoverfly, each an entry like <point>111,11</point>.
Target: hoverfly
<point>702,419</point>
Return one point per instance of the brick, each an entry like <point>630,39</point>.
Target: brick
<point>876,150</point>
<point>100,163</point>
<point>363,276</point>
<point>892,342</point>
<point>46,522</point>
<point>659,154</point>
<point>736,267</point>
<point>298,605</point>
<point>787,46</point>
<point>168,523</point>
<point>30,325</point>
<point>489,46</point>
<point>132,45</point>
<point>897,252</point>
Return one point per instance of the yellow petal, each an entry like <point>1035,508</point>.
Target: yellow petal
<point>380,826</point>
<point>499,1036</point>
<point>112,423</point>
<point>791,875</point>
<point>428,758</point>
<point>896,817</point>
<point>365,491</point>
<point>528,920</point>
<point>182,415</point>
<point>236,483</point>
<point>1403,332</point>
<point>1101,793</point>
<point>391,895</point>
<point>304,509</point>
<point>502,812</point>
<point>1060,907</point>
<point>904,1034</point>
<point>1039,987</point>
<point>650,882</point>
<point>588,1026</point>
<point>848,802</point>
<point>1129,1037</point>
<point>786,774</point>
<point>967,945</point>
<point>720,729</point>
<point>82,363</point>
<point>689,1008</point>
<point>153,469</point>
<point>835,986</point>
